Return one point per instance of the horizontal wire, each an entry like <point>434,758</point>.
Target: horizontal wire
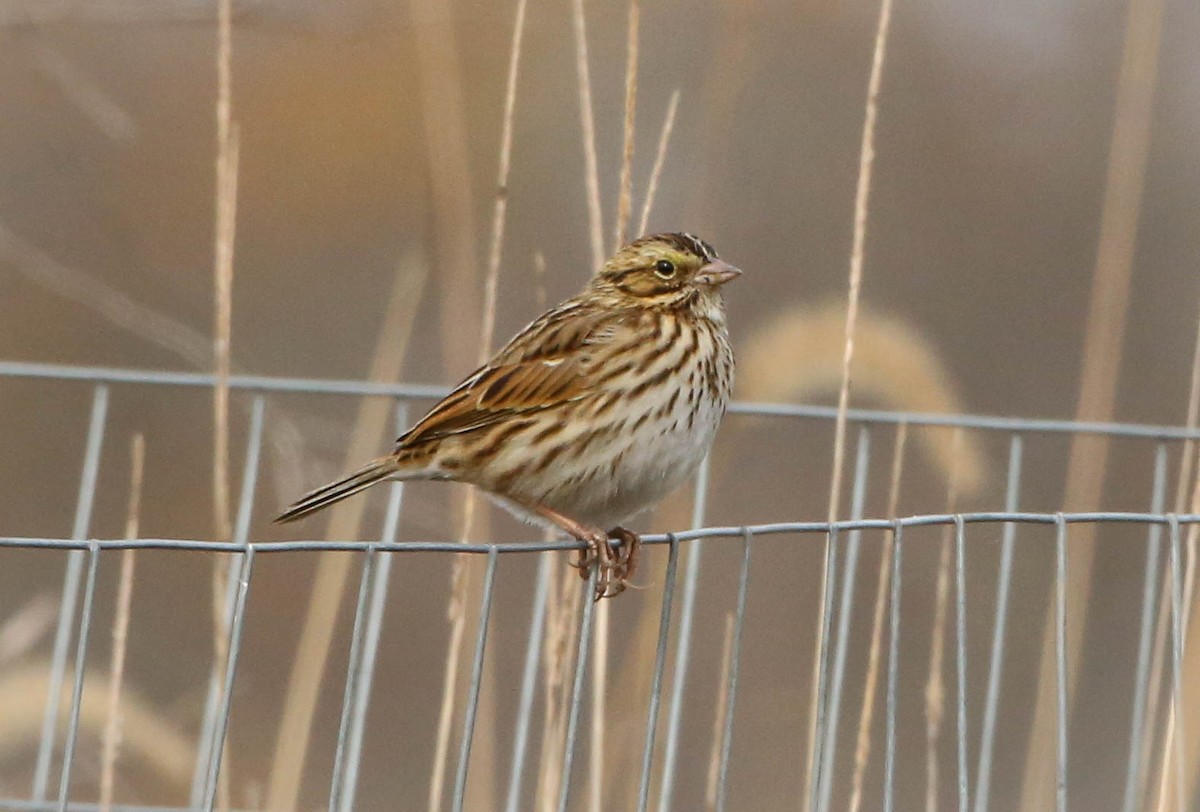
<point>534,546</point>
<point>324,386</point>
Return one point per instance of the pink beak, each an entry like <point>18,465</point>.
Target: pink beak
<point>716,273</point>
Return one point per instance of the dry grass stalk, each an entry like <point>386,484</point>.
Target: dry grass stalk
<point>460,575</point>
<point>718,737</point>
<point>1161,798</point>
<point>329,583</point>
<point>153,326</point>
<point>660,157</point>
<point>935,689</point>
<point>120,632</point>
<point>443,113</point>
<point>862,747</point>
<point>82,90</point>
<point>625,196</point>
<point>109,303</point>
<point>603,620</point>
<point>861,200</point>
<point>1187,719</point>
<point>26,627</point>
<point>892,363</point>
<point>639,666</point>
<point>539,280</point>
<point>1104,334</point>
<point>456,613</point>
<point>148,736</point>
<point>559,647</point>
<point>591,171</point>
<point>500,207</point>
<point>225,233</point>
<point>600,651</point>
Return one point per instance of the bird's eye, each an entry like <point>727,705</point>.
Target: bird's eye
<point>664,268</point>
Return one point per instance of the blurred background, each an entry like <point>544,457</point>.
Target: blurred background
<point>369,136</point>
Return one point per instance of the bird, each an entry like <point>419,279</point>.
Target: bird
<point>592,413</point>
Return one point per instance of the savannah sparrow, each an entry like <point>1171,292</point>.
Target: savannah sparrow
<point>591,414</point>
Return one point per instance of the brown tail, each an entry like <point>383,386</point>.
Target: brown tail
<point>376,471</point>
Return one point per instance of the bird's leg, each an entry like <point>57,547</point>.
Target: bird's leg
<point>613,569</point>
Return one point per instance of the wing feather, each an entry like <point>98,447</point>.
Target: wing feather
<point>547,364</point>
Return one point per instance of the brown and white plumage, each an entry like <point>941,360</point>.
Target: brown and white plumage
<point>593,412</point>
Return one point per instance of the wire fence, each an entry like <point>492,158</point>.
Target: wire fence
<point>52,774</point>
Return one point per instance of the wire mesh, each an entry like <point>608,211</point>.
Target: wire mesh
<point>667,696</point>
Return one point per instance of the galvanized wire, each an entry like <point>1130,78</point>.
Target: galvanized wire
<point>83,557</point>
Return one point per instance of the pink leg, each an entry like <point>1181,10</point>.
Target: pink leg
<point>614,568</point>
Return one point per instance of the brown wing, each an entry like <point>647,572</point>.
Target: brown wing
<point>547,364</point>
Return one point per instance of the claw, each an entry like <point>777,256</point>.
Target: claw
<point>616,566</point>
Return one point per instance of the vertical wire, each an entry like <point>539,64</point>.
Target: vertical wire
<point>893,666</point>
<point>1134,774</point>
<point>370,650</point>
<point>581,658</point>
<point>823,661</point>
<point>660,661</point>
<point>684,642</point>
<point>235,646</point>
<point>996,666</point>
<point>70,593</point>
<point>1176,663</point>
<point>1060,661</point>
<point>206,757</point>
<point>352,669</point>
<point>734,668</point>
<point>241,528</point>
<point>537,625</point>
<point>857,499</point>
<point>241,532</point>
<point>960,658</point>
<point>85,622</point>
<point>468,733</point>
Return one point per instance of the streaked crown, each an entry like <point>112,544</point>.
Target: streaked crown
<point>664,268</point>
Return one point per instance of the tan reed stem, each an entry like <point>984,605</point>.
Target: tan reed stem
<point>26,627</point>
<point>660,157</point>
<point>500,206</point>
<point>560,645</point>
<point>603,619</point>
<point>1160,799</point>
<point>862,197</point>
<point>1189,717</point>
<point>225,234</point>
<point>625,197</point>
<point>111,743</point>
<point>935,689</point>
<point>149,737</point>
<point>456,614</point>
<point>461,575</point>
<point>718,736</point>
<point>862,747</point>
<point>539,281</point>
<point>600,644</point>
<point>1104,334</point>
<point>591,172</point>
<point>329,583</point>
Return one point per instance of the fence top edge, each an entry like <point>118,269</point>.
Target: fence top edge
<point>725,532</point>
<point>326,386</point>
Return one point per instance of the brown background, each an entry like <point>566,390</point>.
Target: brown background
<point>994,130</point>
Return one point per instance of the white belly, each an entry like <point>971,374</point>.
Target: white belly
<point>650,445</point>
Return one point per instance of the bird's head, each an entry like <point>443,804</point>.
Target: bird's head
<point>664,270</point>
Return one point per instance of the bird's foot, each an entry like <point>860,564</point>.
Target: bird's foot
<point>614,566</point>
